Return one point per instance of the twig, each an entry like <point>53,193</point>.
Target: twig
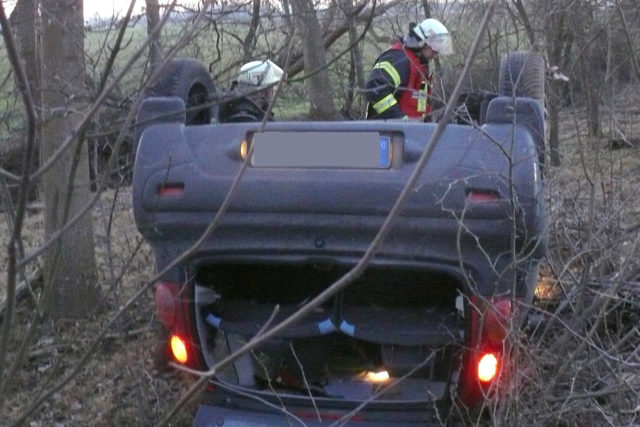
<point>6,174</point>
<point>127,334</point>
<point>304,379</point>
<point>237,390</point>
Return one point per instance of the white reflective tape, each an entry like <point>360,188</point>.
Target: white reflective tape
<point>347,328</point>
<point>326,327</point>
<point>213,320</point>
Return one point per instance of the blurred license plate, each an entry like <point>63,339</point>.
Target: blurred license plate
<point>364,150</point>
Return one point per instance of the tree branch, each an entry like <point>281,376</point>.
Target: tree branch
<point>27,98</point>
<point>298,66</point>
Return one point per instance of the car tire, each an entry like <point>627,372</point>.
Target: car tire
<point>189,80</point>
<point>183,78</point>
<point>522,74</point>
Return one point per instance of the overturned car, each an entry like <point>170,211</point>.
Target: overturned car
<point>422,334</point>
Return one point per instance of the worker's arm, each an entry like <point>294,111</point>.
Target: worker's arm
<point>389,75</point>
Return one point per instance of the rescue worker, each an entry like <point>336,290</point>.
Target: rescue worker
<point>252,92</point>
<point>400,84</point>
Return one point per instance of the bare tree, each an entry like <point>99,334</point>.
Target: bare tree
<point>319,87</point>
<point>356,68</point>
<point>590,62</point>
<point>560,41</point>
<point>70,269</point>
<point>152,10</point>
<point>250,40</point>
<point>23,21</point>
<point>524,16</point>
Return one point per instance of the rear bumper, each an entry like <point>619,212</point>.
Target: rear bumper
<point>228,409</point>
<point>212,416</point>
<point>483,245</point>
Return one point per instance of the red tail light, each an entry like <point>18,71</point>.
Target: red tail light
<point>487,367</point>
<point>174,310</point>
<point>490,321</point>
<point>496,322</point>
<point>179,349</point>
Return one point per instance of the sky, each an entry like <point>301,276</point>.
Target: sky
<point>104,8</point>
<point>107,8</point>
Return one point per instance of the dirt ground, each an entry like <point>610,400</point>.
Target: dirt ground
<point>126,381</point>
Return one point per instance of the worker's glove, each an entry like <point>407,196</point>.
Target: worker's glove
<point>406,118</point>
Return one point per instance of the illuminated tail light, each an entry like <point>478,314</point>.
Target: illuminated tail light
<point>487,367</point>
<point>173,307</point>
<point>179,349</point>
<point>489,325</point>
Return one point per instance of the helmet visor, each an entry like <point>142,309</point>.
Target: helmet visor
<point>441,43</point>
<point>260,73</point>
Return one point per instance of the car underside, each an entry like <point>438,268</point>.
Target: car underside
<point>418,334</point>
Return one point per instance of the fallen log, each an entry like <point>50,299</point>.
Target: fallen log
<point>24,289</point>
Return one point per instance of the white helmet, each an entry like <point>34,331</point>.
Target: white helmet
<point>433,33</point>
<point>260,73</point>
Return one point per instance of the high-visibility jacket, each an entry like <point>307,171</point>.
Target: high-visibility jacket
<point>399,85</point>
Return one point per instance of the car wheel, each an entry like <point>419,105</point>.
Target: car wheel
<point>184,84</point>
<point>189,80</point>
<point>522,74</point>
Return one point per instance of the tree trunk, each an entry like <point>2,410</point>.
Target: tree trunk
<point>23,20</point>
<point>524,17</point>
<point>553,122</point>
<point>559,46</point>
<point>357,79</point>
<point>250,40</point>
<point>593,104</point>
<point>427,9</point>
<point>317,82</point>
<point>69,269</point>
<point>153,19</point>
<point>362,16</point>
<point>590,61</point>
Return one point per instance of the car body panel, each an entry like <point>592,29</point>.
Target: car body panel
<point>473,226</point>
